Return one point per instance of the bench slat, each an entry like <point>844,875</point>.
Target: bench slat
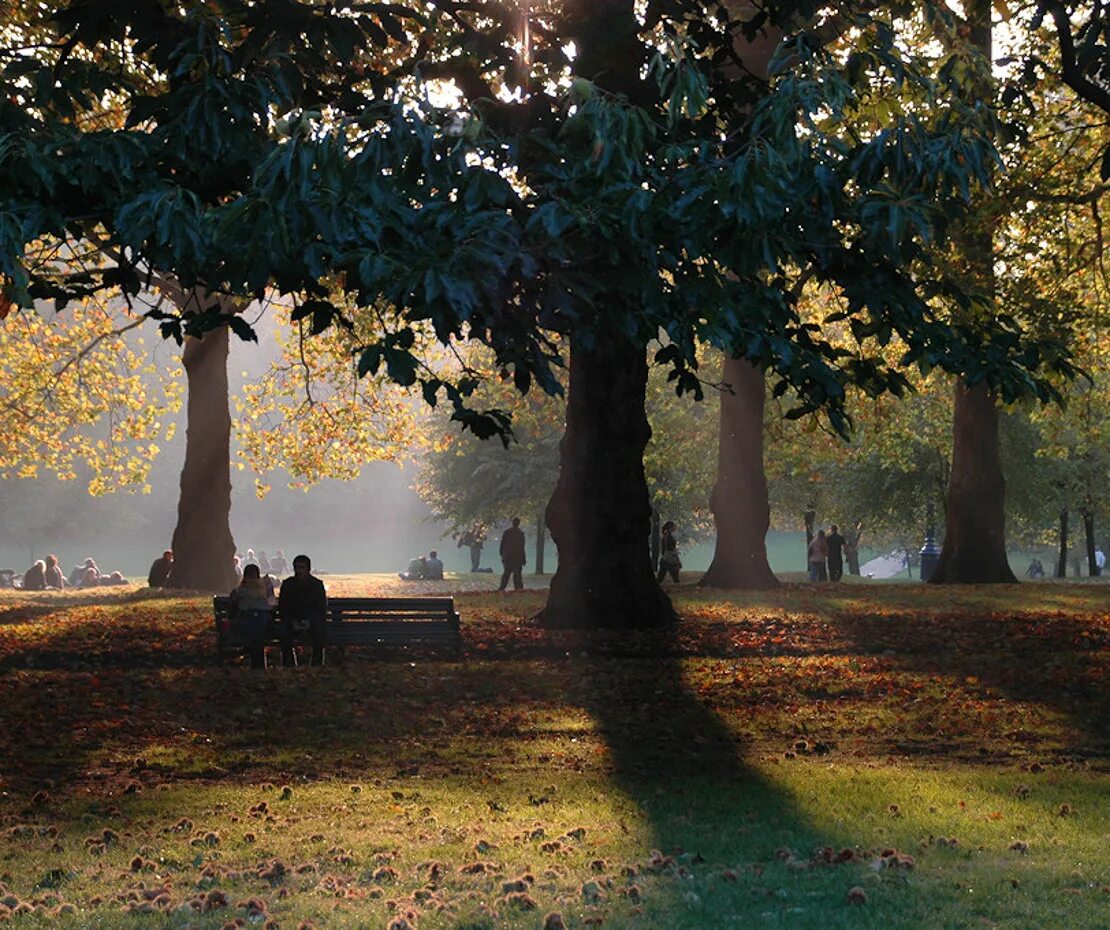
<point>366,621</point>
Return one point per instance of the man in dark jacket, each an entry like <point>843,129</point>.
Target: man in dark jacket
<point>512,555</point>
<point>835,543</point>
<point>303,606</point>
<point>160,569</point>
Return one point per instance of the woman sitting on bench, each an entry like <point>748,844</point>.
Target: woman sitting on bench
<point>252,609</point>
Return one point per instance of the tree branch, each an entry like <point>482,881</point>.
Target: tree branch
<point>1071,72</point>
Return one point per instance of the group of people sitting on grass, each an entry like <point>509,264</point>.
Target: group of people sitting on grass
<point>303,606</point>
<point>424,568</point>
<point>46,575</point>
<point>276,563</point>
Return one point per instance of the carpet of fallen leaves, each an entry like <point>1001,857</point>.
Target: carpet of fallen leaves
<point>106,697</point>
<point>1016,672</point>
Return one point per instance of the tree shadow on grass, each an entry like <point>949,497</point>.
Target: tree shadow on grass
<point>686,770</point>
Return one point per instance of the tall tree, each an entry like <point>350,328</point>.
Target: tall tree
<point>740,502</point>
<point>562,193</point>
<point>974,547</point>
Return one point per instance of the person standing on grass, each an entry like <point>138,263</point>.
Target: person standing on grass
<point>669,562</point>
<point>835,544</point>
<point>473,540</point>
<point>303,604</point>
<point>818,552</point>
<point>513,558</point>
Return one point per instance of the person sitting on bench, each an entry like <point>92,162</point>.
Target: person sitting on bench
<point>252,609</point>
<point>303,603</point>
<point>417,570</point>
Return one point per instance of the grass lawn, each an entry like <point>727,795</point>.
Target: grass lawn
<point>820,756</point>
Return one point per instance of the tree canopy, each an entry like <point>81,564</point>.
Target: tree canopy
<point>555,192</point>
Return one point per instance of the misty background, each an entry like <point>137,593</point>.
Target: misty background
<point>375,523</point>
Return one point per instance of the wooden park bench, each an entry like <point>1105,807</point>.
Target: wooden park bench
<point>364,621</point>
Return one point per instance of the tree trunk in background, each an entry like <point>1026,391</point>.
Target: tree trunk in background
<point>1062,557</point>
<point>974,549</point>
<point>600,513</point>
<point>1089,539</point>
<point>810,520</point>
<point>541,538</point>
<point>203,550</point>
<point>739,501</point>
<point>851,548</point>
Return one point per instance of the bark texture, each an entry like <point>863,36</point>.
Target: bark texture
<point>203,549</point>
<point>741,508</point>
<point>974,549</point>
<point>541,539</point>
<point>1089,540</point>
<point>600,513</point>
<point>1062,557</point>
<point>851,548</point>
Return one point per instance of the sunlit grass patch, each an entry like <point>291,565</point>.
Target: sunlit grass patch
<point>799,759</point>
<point>781,843</point>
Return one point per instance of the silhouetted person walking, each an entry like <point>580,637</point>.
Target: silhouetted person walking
<point>834,542</point>
<point>512,556</point>
<point>303,604</point>
<point>669,562</point>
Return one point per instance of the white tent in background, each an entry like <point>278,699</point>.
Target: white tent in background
<point>885,566</point>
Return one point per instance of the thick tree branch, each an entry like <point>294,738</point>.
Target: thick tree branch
<point>1070,71</point>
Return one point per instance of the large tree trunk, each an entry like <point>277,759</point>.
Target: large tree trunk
<point>541,537</point>
<point>1062,557</point>
<point>739,501</point>
<point>974,549</point>
<point>809,520</point>
<point>1089,539</point>
<point>851,548</point>
<point>600,513</point>
<point>203,550</point>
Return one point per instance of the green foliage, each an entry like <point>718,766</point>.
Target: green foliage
<point>275,144</point>
<point>469,483</point>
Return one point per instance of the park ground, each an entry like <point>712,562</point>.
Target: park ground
<point>819,756</point>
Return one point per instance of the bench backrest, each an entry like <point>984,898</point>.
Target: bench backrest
<point>370,608</point>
